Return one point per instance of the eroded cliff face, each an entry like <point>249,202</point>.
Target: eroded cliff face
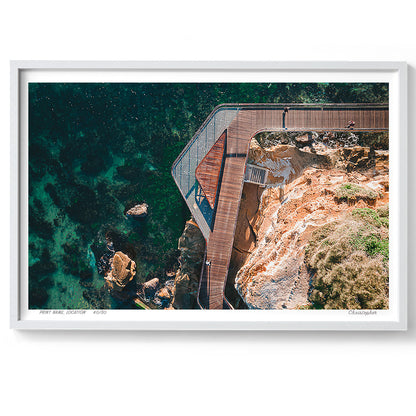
<point>192,247</point>
<point>307,188</point>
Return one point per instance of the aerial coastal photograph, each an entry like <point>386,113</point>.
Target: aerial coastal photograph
<point>264,196</point>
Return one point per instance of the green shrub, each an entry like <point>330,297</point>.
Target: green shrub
<point>353,192</point>
<point>368,215</point>
<point>383,213</point>
<point>373,244</point>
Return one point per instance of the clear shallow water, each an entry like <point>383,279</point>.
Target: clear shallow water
<point>96,148</point>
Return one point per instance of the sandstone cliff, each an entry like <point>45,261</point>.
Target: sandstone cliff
<point>122,271</point>
<point>192,247</point>
<point>308,188</point>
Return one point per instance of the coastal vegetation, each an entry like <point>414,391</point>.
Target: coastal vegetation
<point>351,192</point>
<point>349,262</point>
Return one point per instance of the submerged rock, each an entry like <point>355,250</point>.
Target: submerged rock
<point>122,271</point>
<point>104,263</point>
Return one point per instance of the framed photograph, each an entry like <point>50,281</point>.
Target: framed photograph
<point>209,195</point>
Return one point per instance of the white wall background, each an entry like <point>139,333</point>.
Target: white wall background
<point>73,373</point>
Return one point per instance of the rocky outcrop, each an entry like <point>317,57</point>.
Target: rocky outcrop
<point>275,224</point>
<point>192,247</point>
<point>149,288</point>
<point>284,162</point>
<point>123,270</point>
<point>164,295</point>
<point>331,139</point>
<point>304,140</point>
<point>138,211</point>
<point>156,294</point>
<point>104,263</point>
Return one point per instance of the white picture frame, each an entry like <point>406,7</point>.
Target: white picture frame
<point>395,73</point>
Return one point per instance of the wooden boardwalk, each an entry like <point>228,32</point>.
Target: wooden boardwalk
<point>220,243</point>
<point>250,120</point>
<point>219,246</point>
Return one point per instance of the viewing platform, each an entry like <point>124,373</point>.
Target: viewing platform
<point>211,170</point>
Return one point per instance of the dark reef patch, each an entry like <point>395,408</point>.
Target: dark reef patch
<point>55,196</point>
<point>38,296</point>
<point>84,207</point>
<point>40,281</point>
<point>133,170</point>
<point>43,266</point>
